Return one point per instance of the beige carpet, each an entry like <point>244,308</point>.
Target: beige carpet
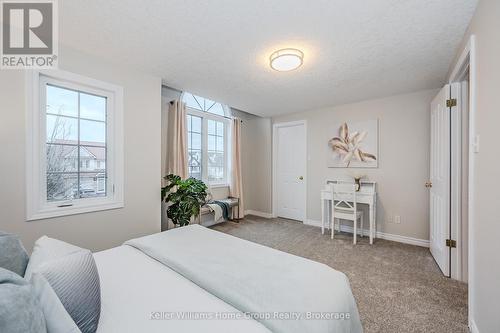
<point>398,287</point>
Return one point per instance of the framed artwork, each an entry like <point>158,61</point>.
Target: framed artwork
<point>354,145</point>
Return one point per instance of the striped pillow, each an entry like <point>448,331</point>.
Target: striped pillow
<point>72,273</point>
<point>75,280</point>
<point>47,249</point>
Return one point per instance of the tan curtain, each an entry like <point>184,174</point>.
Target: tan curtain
<point>177,143</point>
<point>236,189</point>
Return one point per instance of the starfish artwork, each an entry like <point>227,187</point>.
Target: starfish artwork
<point>349,146</point>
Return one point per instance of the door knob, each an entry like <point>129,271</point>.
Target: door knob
<point>428,184</point>
<point>301,178</point>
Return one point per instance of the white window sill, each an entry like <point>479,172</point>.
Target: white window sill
<point>54,211</point>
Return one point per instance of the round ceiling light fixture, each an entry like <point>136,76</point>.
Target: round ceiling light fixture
<point>285,60</point>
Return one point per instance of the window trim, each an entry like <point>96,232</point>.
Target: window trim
<point>205,116</point>
<point>36,205</point>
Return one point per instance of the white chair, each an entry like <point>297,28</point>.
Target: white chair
<point>345,207</point>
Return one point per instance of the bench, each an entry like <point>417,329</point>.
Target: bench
<point>206,216</point>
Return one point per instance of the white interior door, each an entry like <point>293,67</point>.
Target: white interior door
<point>440,180</point>
<point>290,169</point>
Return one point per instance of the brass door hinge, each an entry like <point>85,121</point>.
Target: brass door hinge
<point>451,102</point>
<point>451,243</point>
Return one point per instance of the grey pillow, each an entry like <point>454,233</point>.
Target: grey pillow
<point>56,317</point>
<point>20,310</point>
<point>13,256</point>
<point>75,280</point>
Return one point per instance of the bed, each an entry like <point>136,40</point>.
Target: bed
<point>135,288</point>
<point>194,279</point>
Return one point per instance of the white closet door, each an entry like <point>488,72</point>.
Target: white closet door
<point>290,170</point>
<point>440,180</point>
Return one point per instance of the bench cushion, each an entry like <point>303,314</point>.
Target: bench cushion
<point>233,202</point>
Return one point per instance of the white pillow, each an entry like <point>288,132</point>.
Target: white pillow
<point>72,275</point>
<point>47,249</point>
<point>57,318</point>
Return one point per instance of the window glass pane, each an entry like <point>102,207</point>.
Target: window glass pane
<point>62,101</point>
<point>92,185</point>
<point>211,143</point>
<point>216,159</point>
<point>217,108</point>
<point>92,159</point>
<point>211,127</point>
<point>203,104</point>
<point>220,143</point>
<point>92,107</point>
<point>215,147</point>
<point>101,183</point>
<point>220,128</point>
<point>75,171</point>
<point>196,126</point>
<point>62,186</point>
<point>192,101</point>
<point>61,129</point>
<point>208,104</point>
<point>194,146</point>
<point>215,166</point>
<point>212,173</point>
<point>194,163</point>
<point>196,141</point>
<point>92,132</point>
<point>62,158</point>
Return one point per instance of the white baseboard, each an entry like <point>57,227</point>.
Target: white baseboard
<point>472,326</point>
<point>259,214</point>
<point>379,234</point>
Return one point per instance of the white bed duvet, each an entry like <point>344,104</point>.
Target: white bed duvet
<point>194,279</point>
<point>138,294</point>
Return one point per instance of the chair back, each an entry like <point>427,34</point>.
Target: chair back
<point>344,196</point>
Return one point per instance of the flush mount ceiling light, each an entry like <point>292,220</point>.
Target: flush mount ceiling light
<point>285,60</point>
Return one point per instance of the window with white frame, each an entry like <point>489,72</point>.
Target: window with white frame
<point>207,133</point>
<point>75,145</point>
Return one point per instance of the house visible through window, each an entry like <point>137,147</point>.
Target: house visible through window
<point>207,128</point>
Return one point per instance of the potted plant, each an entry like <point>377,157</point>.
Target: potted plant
<point>184,198</point>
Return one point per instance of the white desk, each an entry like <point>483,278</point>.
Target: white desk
<point>367,194</point>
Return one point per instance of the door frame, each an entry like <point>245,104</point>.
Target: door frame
<point>275,164</point>
<point>467,61</point>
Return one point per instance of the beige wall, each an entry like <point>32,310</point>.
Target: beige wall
<point>485,247</point>
<point>257,164</point>
<point>100,230</point>
<point>403,158</point>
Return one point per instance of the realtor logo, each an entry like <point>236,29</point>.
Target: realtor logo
<point>29,34</point>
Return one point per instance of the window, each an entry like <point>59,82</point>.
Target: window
<point>207,129</point>
<point>203,104</point>
<point>75,145</point>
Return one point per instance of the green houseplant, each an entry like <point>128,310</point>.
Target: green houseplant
<point>184,198</point>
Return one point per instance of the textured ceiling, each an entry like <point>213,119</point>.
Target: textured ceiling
<point>354,50</point>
